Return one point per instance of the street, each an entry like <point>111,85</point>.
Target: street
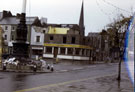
<point>30,82</point>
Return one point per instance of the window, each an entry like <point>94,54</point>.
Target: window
<point>49,50</point>
<point>70,51</point>
<point>88,52</point>
<point>13,28</point>
<point>83,52</point>
<point>51,37</point>
<point>37,52</point>
<point>37,38</point>
<point>12,37</point>
<point>5,37</point>
<point>62,50</point>
<point>77,51</point>
<point>43,31</point>
<point>64,39</point>
<point>6,27</point>
<point>73,40</point>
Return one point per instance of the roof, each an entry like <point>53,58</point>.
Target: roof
<point>93,34</point>
<point>9,20</point>
<point>62,25</point>
<point>14,20</point>
<point>57,30</point>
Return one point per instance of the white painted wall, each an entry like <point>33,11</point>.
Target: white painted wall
<point>72,57</point>
<point>37,31</point>
<point>66,57</point>
<point>7,32</point>
<point>48,55</point>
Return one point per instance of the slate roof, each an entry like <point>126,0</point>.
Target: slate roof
<point>14,20</point>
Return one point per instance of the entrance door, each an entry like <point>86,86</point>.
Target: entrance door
<point>55,52</point>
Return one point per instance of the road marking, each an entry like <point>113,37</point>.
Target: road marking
<point>63,83</point>
<point>77,68</point>
<point>63,70</point>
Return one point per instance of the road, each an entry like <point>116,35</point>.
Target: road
<point>17,82</point>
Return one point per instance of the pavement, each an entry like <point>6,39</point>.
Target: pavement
<point>65,67</point>
<point>69,77</point>
<point>59,67</point>
<point>101,84</point>
<point>97,84</point>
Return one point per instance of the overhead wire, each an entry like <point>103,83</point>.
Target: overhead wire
<point>105,13</point>
<point>116,6</point>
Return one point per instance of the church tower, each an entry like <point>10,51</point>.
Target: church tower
<point>81,22</point>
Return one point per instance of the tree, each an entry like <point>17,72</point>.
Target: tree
<point>116,31</point>
<point>1,43</point>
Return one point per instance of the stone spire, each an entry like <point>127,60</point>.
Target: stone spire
<point>20,46</point>
<point>81,21</point>
<point>22,27</point>
<point>24,6</point>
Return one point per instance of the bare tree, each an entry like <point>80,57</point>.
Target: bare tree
<point>117,31</point>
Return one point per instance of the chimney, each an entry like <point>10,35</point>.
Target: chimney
<point>6,14</point>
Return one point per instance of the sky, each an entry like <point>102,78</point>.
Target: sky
<point>97,13</point>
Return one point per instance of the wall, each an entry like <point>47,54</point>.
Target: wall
<point>37,31</point>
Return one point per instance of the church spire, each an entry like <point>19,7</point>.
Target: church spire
<point>81,21</point>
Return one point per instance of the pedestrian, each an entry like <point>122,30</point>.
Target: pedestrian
<point>34,67</point>
<point>43,64</point>
<point>48,66</point>
<point>52,69</point>
<point>4,66</point>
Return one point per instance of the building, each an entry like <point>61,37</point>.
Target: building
<point>94,40</point>
<point>99,41</point>
<point>37,38</point>
<point>63,41</point>
<point>66,41</point>
<point>9,24</point>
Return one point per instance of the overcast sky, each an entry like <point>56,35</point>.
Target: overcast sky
<point>98,13</point>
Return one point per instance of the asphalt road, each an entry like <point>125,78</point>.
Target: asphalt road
<point>11,82</point>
